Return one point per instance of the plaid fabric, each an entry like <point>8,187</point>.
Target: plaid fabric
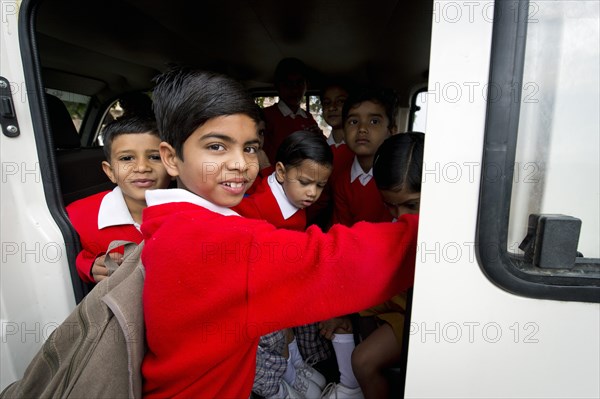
<point>312,344</point>
<point>270,364</point>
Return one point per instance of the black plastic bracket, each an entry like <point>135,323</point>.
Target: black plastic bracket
<point>551,241</point>
<point>8,117</point>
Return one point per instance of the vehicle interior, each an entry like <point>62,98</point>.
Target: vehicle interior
<point>90,55</point>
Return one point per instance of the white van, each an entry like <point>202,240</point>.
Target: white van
<point>506,301</point>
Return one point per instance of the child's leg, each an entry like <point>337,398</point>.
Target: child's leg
<point>292,354</point>
<point>343,345</point>
<point>304,378</point>
<point>295,356</point>
<point>270,365</point>
<point>371,357</point>
<point>314,348</point>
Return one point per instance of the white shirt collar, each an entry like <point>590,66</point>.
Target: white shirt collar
<point>113,211</point>
<point>286,111</point>
<point>356,171</point>
<point>287,208</point>
<point>331,141</point>
<point>165,196</point>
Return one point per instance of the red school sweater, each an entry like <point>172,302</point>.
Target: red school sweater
<point>262,174</point>
<point>321,211</point>
<point>214,284</point>
<point>354,202</point>
<point>278,127</point>
<point>83,214</point>
<point>263,205</point>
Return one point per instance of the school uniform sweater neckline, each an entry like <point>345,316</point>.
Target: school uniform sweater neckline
<point>165,196</point>
<point>357,171</point>
<point>286,111</point>
<point>113,211</point>
<point>331,141</point>
<point>287,208</point>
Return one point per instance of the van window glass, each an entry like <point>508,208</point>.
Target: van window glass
<point>314,106</point>
<point>113,112</point>
<point>557,168</point>
<point>419,112</point>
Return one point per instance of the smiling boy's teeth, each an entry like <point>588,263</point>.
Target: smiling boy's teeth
<point>233,185</point>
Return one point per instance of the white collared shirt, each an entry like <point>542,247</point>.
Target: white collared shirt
<point>331,141</point>
<point>113,211</point>
<point>287,208</point>
<point>286,111</point>
<point>357,171</point>
<point>165,196</point>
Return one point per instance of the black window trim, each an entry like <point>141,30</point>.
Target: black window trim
<point>510,271</point>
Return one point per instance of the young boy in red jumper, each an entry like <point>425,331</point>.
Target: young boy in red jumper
<point>215,282</point>
<point>286,116</point>
<point>333,96</point>
<point>133,164</point>
<point>368,118</point>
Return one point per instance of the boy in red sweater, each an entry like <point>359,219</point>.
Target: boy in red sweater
<point>333,96</point>
<point>215,282</point>
<point>133,164</point>
<point>368,118</point>
<point>286,117</point>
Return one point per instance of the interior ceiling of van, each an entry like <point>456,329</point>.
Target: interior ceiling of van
<point>106,47</point>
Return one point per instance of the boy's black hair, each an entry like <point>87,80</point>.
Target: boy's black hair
<point>185,99</point>
<point>287,66</point>
<point>303,145</point>
<point>385,97</point>
<point>136,104</point>
<point>340,82</point>
<point>126,125</point>
<point>398,162</point>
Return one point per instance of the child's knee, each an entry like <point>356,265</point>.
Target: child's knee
<point>361,361</point>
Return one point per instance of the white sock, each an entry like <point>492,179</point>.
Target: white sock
<point>343,345</point>
<point>290,372</point>
<point>295,355</point>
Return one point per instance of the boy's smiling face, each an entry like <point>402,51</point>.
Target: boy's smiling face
<point>135,166</point>
<point>219,159</point>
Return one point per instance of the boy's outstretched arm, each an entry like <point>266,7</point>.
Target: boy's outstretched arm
<point>298,278</point>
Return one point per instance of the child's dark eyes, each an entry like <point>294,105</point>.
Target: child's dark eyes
<point>126,158</point>
<point>352,122</point>
<point>216,147</point>
<point>412,206</point>
<point>251,150</point>
<point>375,121</point>
<point>154,157</point>
<point>338,102</point>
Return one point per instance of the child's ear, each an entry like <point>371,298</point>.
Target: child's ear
<point>108,170</point>
<point>169,158</point>
<point>280,172</point>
